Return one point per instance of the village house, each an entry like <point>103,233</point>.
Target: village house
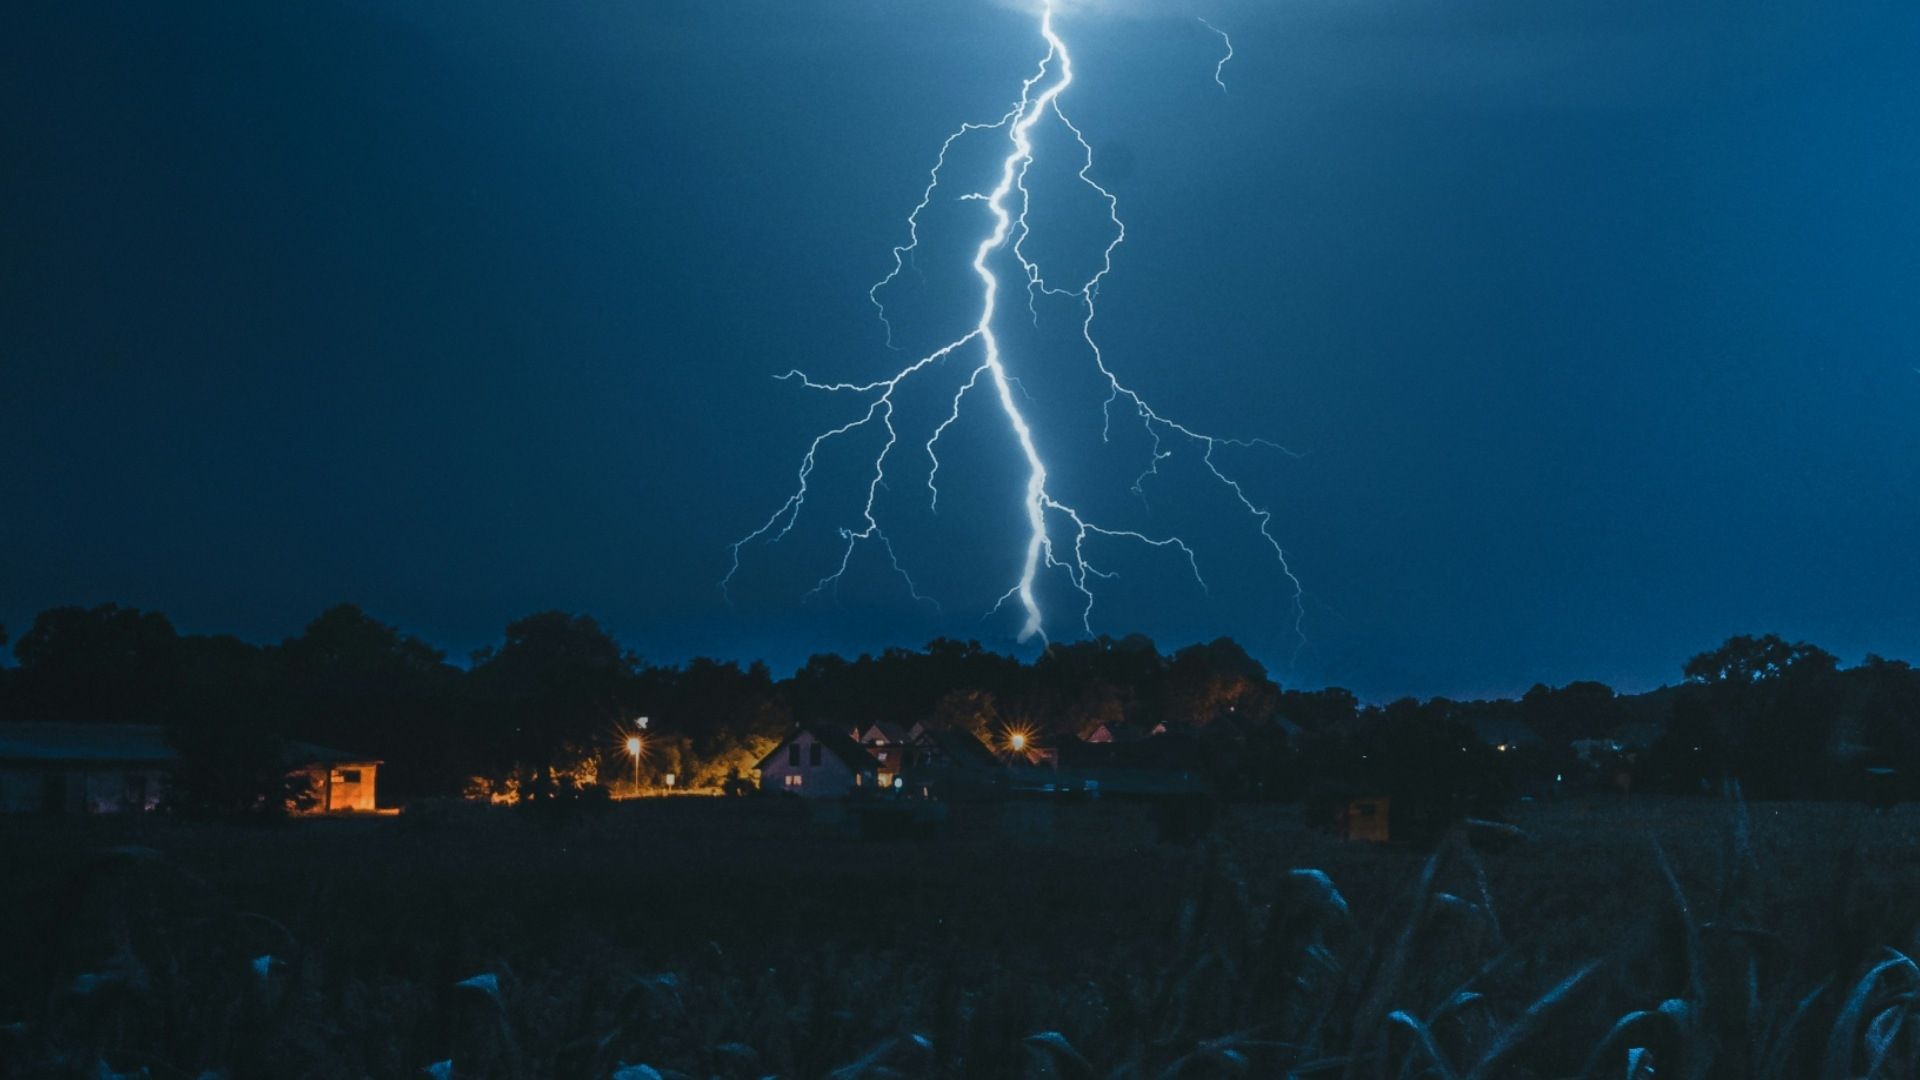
<point>889,746</point>
<point>948,763</point>
<point>816,761</point>
<point>123,768</point>
<point>1113,731</point>
<point>82,768</point>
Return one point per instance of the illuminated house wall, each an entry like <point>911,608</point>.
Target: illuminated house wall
<point>817,762</point>
<point>341,786</point>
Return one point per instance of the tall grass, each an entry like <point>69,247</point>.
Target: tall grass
<point>143,965</point>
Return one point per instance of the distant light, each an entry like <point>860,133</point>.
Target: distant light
<point>1018,742</point>
<point>633,745</point>
<point>641,723</point>
<point>669,779</point>
<point>899,782</point>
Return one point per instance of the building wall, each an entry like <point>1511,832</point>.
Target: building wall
<point>831,778</point>
<point>352,786</point>
<point>892,758</point>
<point>343,787</point>
<point>121,790</point>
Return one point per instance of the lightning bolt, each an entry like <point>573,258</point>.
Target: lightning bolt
<point>1223,60</point>
<point>1057,534</point>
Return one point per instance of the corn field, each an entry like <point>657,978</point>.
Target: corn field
<point>1689,939</point>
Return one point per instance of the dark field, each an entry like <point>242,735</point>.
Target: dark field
<point>710,937</point>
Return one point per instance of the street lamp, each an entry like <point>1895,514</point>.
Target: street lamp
<point>637,748</point>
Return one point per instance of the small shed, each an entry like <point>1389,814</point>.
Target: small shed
<point>338,781</point>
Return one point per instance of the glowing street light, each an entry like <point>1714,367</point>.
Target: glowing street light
<point>635,747</point>
<point>1019,740</point>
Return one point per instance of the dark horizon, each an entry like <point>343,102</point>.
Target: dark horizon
<point>463,658</point>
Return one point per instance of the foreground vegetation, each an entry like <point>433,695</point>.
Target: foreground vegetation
<point>703,937</point>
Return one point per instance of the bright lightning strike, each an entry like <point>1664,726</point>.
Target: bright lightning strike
<point>1057,534</point>
<point>1217,68</point>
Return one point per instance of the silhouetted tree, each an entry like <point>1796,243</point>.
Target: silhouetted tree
<point>1332,709</point>
<point>360,685</point>
<point>228,721</point>
<point>1759,710</point>
<point>1888,696</point>
<point>554,693</point>
<point>976,712</point>
<point>106,664</point>
<point>709,719</point>
<point>1578,710</point>
<point>1219,681</point>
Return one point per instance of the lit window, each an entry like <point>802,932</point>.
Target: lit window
<point>794,779</point>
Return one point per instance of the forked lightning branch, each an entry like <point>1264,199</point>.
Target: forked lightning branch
<point>1057,539</point>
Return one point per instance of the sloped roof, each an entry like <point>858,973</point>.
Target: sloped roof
<point>128,744</point>
<point>962,748</point>
<point>837,742</point>
<point>124,744</point>
<point>889,733</point>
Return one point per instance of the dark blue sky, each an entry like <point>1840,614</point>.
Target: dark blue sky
<point>1595,322</point>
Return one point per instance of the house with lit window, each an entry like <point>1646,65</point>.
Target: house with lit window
<point>818,762</point>
<point>889,746</point>
<point>125,768</point>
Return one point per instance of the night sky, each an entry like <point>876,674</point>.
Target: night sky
<point>1594,323</point>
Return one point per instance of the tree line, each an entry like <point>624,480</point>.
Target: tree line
<point>550,707</point>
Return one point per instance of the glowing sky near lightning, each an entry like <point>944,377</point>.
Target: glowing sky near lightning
<point>1057,533</point>
<point>1594,321</point>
